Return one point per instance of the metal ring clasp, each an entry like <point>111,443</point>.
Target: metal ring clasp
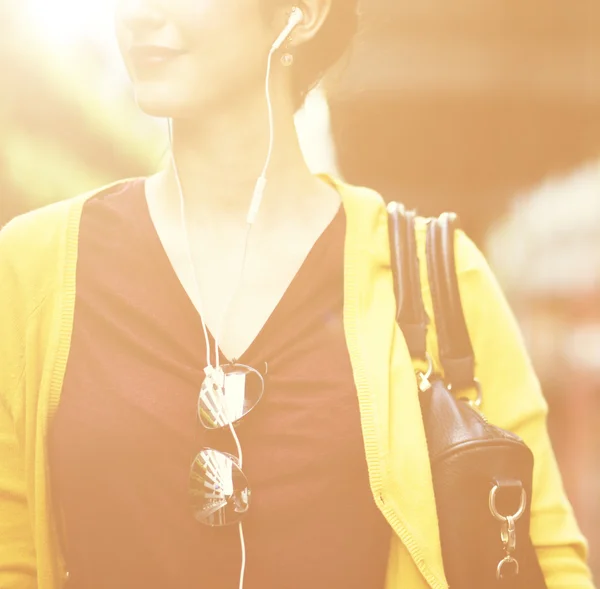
<point>475,403</point>
<point>508,530</point>
<point>424,379</point>
<point>507,560</point>
<point>494,511</point>
<point>429,372</point>
<point>508,534</point>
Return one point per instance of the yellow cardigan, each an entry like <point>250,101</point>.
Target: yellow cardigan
<point>38,259</point>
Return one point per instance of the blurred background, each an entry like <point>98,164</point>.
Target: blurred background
<point>490,109</point>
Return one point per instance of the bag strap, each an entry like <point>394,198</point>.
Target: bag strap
<point>410,310</point>
<point>456,351</point>
<point>454,343</point>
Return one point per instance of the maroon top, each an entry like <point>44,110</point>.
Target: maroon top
<point>126,430</point>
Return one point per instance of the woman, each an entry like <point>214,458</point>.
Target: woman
<point>117,307</point>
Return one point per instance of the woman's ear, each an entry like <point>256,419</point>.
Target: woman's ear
<point>315,13</point>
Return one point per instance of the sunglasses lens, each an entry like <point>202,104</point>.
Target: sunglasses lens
<point>228,394</point>
<point>219,490</point>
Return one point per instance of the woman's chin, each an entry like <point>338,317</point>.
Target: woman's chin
<point>159,102</point>
<point>154,106</point>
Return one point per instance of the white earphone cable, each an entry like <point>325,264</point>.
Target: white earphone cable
<point>271,115</point>
<point>188,246</point>
<point>206,338</point>
<point>256,199</point>
<point>243,546</point>
<point>232,296</point>
<point>253,211</point>
<point>261,183</point>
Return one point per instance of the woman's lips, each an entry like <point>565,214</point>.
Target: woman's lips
<point>151,56</point>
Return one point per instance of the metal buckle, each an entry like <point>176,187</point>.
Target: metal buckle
<point>474,403</point>
<point>497,514</point>
<point>507,560</point>
<point>508,530</point>
<point>424,379</point>
<point>508,533</point>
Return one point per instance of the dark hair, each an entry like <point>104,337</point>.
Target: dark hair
<point>315,58</point>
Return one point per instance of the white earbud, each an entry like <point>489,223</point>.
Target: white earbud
<point>295,19</point>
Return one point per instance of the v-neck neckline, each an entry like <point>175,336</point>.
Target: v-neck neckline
<point>189,308</point>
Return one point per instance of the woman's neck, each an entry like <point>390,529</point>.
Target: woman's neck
<point>219,161</point>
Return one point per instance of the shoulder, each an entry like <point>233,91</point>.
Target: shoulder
<point>44,225</point>
<point>35,245</point>
<point>469,259</point>
<point>356,197</point>
<point>366,220</point>
<point>370,205</point>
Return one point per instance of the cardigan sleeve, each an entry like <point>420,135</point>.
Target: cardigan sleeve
<point>17,552</point>
<point>513,400</point>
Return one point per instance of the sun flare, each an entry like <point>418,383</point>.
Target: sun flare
<point>65,22</point>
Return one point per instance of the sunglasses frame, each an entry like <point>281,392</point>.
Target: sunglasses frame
<point>212,471</point>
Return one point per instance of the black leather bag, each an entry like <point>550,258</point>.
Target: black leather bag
<point>482,475</point>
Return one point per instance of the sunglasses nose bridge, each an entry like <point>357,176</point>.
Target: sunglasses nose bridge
<point>228,393</point>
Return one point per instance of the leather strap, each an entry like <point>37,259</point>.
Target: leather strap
<point>410,310</point>
<point>456,351</point>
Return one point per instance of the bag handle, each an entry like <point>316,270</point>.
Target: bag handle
<point>410,310</point>
<point>456,351</point>
<point>454,342</point>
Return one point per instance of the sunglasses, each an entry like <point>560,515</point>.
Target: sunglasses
<point>218,488</point>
